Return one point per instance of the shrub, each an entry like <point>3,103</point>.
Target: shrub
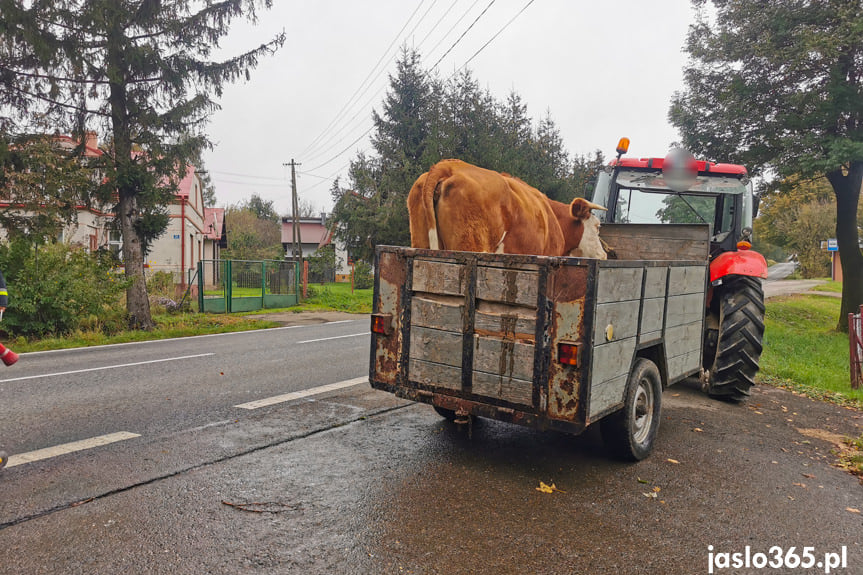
<point>56,289</point>
<point>363,277</point>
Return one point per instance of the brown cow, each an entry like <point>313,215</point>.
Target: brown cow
<point>458,206</point>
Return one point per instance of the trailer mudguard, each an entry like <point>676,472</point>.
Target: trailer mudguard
<point>740,263</point>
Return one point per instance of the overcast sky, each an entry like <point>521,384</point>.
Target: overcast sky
<point>602,69</point>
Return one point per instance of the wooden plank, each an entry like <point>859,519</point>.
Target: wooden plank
<point>510,359</point>
<point>684,309</point>
<point>622,316</point>
<point>506,285</point>
<point>655,280</point>
<point>438,312</point>
<point>686,279</point>
<point>607,394</point>
<point>502,320</point>
<point>435,374</point>
<point>658,241</point>
<point>436,346</point>
<point>652,313</point>
<point>611,360</point>
<point>439,277</point>
<point>618,284</point>
<point>504,388</point>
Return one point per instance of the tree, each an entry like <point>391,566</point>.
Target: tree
<point>263,209</point>
<point>798,217</point>
<point>778,86</point>
<point>251,237</point>
<point>139,71</point>
<point>42,183</point>
<point>424,120</point>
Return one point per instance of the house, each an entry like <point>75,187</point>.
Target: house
<point>315,234</point>
<point>194,233</point>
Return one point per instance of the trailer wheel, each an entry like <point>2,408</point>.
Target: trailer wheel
<point>630,432</point>
<point>732,340</point>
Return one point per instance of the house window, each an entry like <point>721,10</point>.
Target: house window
<point>115,243</point>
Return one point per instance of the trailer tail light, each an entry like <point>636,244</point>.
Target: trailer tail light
<point>567,353</point>
<point>382,323</point>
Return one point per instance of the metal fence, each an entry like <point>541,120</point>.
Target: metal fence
<point>855,335</point>
<point>226,286</point>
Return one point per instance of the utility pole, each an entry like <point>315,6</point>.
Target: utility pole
<point>296,240</point>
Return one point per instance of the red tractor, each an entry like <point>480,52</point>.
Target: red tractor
<point>680,190</point>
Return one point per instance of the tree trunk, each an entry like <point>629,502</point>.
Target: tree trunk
<point>847,190</point>
<point>128,211</point>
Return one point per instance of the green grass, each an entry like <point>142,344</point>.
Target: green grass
<point>167,326</point>
<point>804,352</point>
<point>336,297</point>
<point>830,286</point>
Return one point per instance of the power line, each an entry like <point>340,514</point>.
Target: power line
<point>505,26</point>
<point>311,146</point>
<point>481,14</point>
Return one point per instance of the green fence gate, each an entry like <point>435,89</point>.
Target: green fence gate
<point>226,286</point>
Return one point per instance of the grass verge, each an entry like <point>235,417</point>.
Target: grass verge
<point>803,351</point>
<point>167,326</point>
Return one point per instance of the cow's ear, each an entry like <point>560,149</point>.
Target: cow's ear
<point>580,208</point>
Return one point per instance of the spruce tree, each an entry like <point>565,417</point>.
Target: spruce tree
<point>139,73</point>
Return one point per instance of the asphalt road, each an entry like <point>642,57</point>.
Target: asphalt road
<point>353,480</point>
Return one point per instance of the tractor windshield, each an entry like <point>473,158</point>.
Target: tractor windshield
<point>644,198</point>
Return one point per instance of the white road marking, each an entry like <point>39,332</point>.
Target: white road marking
<point>105,367</point>
<point>335,337</point>
<point>304,393</point>
<point>49,452</point>
<point>156,341</point>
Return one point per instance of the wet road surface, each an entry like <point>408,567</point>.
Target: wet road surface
<point>359,482</point>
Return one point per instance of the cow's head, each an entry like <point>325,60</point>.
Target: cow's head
<point>589,246</point>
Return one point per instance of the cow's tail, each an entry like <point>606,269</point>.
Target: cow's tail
<point>421,207</point>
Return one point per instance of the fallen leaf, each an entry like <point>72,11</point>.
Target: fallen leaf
<point>808,475</point>
<point>543,488</point>
<point>674,461</point>
<point>758,412</point>
<point>548,488</point>
<point>651,495</point>
<point>640,480</point>
<point>657,489</point>
<point>698,429</point>
<point>852,510</point>
<point>803,485</point>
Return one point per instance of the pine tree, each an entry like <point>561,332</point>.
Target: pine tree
<point>138,72</point>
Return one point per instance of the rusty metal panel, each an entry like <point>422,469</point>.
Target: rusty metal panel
<point>392,274</point>
<point>568,291</point>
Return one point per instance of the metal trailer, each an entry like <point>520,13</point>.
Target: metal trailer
<point>546,342</point>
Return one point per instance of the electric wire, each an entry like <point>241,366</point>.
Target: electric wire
<point>338,116</point>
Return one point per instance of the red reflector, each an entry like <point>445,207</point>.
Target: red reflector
<point>381,323</point>
<point>567,353</point>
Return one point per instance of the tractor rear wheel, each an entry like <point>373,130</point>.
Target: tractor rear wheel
<point>732,340</point>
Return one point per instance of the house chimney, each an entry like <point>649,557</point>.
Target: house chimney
<point>92,140</point>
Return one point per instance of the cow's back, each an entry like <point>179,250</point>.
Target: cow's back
<point>467,208</point>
